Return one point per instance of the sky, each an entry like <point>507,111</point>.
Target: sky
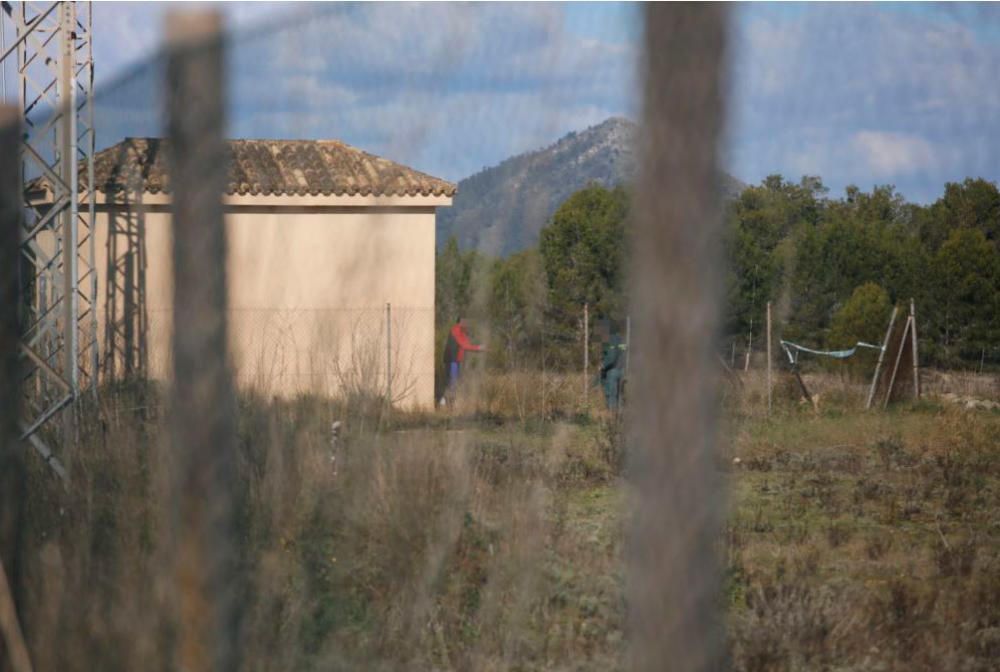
<point>863,94</point>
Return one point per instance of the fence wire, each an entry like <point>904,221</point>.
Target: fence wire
<point>232,346</point>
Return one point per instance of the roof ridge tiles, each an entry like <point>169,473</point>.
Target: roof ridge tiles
<point>270,167</point>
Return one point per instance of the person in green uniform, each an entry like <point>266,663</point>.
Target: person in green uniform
<point>612,373</point>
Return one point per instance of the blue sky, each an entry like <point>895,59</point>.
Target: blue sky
<point>865,94</point>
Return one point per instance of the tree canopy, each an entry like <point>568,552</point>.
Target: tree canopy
<point>832,266</point>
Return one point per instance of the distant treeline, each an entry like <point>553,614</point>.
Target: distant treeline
<point>832,267</point>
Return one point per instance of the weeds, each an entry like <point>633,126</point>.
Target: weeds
<point>491,538</point>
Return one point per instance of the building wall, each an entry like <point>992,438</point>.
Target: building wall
<point>308,288</point>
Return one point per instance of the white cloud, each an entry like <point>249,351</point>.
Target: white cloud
<point>902,93</point>
<point>889,155</point>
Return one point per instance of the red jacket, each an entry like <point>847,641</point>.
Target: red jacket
<point>463,342</point>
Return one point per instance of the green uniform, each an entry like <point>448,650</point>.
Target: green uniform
<point>613,371</point>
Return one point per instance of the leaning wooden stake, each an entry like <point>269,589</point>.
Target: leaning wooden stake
<point>203,405</point>
<point>899,360</point>
<point>674,588</point>
<point>881,357</point>
<point>12,458</point>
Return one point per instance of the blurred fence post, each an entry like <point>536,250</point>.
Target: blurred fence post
<point>674,587</point>
<point>203,405</point>
<point>12,458</point>
<point>586,355</point>
<point>388,353</point>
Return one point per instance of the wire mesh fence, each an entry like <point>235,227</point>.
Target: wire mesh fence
<point>224,246</point>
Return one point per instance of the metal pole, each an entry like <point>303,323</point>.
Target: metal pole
<point>388,352</point>
<point>3,62</point>
<point>586,354</point>
<point>66,133</point>
<point>91,148</point>
<point>769,358</point>
<point>203,404</point>
<point>674,583</point>
<point>52,49</point>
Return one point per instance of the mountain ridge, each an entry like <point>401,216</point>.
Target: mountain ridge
<point>501,209</point>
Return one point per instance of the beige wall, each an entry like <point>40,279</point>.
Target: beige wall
<point>309,280</point>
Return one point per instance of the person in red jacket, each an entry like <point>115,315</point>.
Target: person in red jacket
<point>454,352</point>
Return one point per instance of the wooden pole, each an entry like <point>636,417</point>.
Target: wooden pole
<point>674,587</point>
<point>12,458</point>
<point>628,343</point>
<point>203,404</point>
<point>899,358</point>
<point>746,360</point>
<point>769,358</point>
<point>802,385</point>
<point>586,355</point>
<point>388,353</point>
<point>913,335</point>
<point>17,651</point>
<point>881,356</point>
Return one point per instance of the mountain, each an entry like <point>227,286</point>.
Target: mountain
<point>501,210</point>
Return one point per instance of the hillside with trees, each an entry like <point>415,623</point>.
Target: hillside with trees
<point>502,209</point>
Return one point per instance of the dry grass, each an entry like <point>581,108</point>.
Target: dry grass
<point>435,548</point>
<point>490,537</point>
<point>866,541</point>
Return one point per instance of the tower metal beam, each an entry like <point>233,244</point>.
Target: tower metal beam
<point>52,56</point>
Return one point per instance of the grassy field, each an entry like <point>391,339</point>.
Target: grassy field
<point>492,538</point>
<point>866,541</point>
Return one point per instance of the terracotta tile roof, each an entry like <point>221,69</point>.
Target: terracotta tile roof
<point>273,167</point>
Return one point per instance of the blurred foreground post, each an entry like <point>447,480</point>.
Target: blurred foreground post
<point>202,406</point>
<point>673,582</point>
<point>12,467</point>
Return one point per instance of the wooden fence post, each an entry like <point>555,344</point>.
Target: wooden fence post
<point>769,358</point>
<point>586,355</point>
<point>913,335</point>
<point>881,358</point>
<point>628,343</point>
<point>203,405</point>
<point>674,585</point>
<point>12,457</point>
<point>388,353</point>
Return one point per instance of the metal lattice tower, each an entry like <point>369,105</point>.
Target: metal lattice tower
<point>52,55</point>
